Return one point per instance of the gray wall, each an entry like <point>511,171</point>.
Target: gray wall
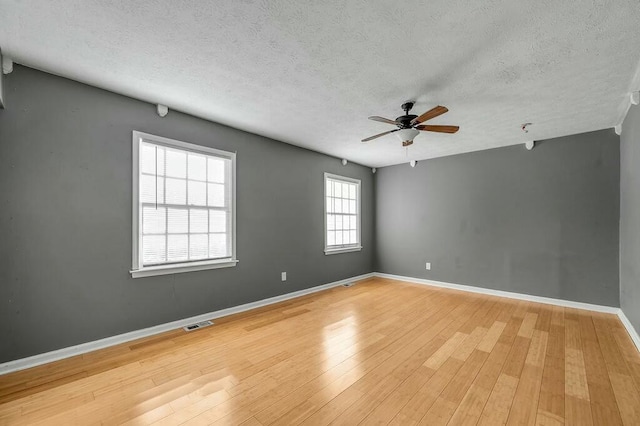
<point>541,222</point>
<point>65,218</point>
<point>630,217</point>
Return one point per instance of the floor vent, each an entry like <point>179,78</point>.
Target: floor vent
<point>347,284</point>
<point>197,325</point>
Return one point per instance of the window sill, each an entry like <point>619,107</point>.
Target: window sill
<point>151,271</point>
<point>341,250</point>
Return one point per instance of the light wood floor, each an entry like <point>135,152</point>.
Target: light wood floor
<point>379,352</point>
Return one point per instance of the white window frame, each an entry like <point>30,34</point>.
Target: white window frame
<point>138,270</point>
<point>349,247</point>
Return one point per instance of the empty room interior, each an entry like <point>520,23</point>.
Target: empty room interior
<point>278,213</point>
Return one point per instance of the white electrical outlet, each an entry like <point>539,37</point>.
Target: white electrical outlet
<point>428,266</point>
<point>284,276</point>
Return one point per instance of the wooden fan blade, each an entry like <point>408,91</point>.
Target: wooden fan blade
<point>432,113</point>
<point>378,135</point>
<point>440,129</point>
<point>382,120</point>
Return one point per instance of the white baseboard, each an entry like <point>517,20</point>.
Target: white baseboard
<point>501,293</point>
<point>630,329</point>
<point>32,361</point>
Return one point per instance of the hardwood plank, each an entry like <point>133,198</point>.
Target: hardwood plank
<point>604,409</point>
<point>491,337</point>
<point>577,411</point>
<point>575,375</point>
<point>525,402</point>
<point>576,389</point>
<point>551,399</point>
<point>436,360</point>
<point>496,410</point>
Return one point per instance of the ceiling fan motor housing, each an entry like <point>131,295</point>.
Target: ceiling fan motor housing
<point>404,121</point>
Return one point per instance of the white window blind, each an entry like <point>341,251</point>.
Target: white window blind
<point>342,214</point>
<point>184,206</point>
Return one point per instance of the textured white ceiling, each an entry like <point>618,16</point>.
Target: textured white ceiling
<point>310,73</point>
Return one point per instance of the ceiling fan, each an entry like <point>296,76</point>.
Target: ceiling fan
<point>409,124</point>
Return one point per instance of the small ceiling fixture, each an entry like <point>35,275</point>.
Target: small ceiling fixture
<point>409,124</point>
<point>162,110</point>
<point>618,129</point>
<point>413,163</point>
<point>344,161</point>
<point>7,65</point>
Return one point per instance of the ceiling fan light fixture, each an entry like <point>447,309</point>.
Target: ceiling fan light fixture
<point>407,135</point>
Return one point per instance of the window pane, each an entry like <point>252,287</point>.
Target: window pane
<point>352,206</point>
<point>148,159</point>
<point>216,194</point>
<point>197,167</point>
<point>216,170</point>
<point>177,247</point>
<point>331,238</point>
<point>337,189</point>
<point>176,165</point>
<point>217,245</point>
<point>352,192</point>
<point>197,193</point>
<point>176,191</point>
<point>148,189</point>
<point>153,220</point>
<point>217,221</point>
<point>353,237</point>
<point>338,222</point>
<point>178,221</point>
<point>337,205</point>
<point>329,205</point>
<point>198,221</point>
<point>345,190</point>
<point>329,186</point>
<point>345,237</point>
<point>153,249</point>
<point>198,246</point>
<point>161,161</point>
<point>331,222</point>
<point>338,238</point>
<point>345,206</point>
<point>353,222</point>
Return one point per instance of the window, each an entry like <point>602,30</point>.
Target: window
<point>342,214</point>
<point>183,207</point>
